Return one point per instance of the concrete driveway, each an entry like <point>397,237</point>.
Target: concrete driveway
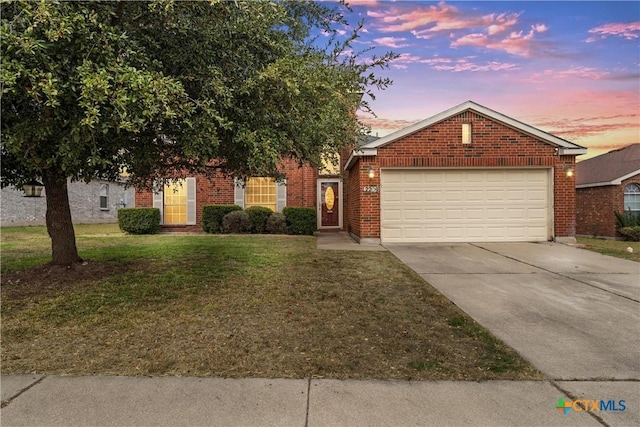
<point>574,314</point>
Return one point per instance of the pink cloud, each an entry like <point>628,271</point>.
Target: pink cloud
<point>405,59</point>
<point>425,22</point>
<point>393,42</point>
<point>362,2</point>
<point>396,19</point>
<point>576,129</point>
<point>466,64</point>
<point>629,31</point>
<point>385,124</point>
<point>580,72</point>
<point>516,43</point>
<point>502,23</point>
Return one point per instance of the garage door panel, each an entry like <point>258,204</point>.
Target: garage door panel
<point>515,196</point>
<point>474,214</point>
<point>465,205</point>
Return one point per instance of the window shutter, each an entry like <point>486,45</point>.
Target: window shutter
<point>238,193</point>
<point>281,196</point>
<point>158,195</point>
<point>191,201</point>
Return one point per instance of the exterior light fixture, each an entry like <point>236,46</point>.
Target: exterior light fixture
<point>568,170</point>
<point>32,189</point>
<point>371,172</point>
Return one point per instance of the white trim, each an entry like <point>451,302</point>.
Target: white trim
<point>595,184</point>
<point>319,203</point>
<point>470,105</point>
<point>360,152</point>
<point>572,151</point>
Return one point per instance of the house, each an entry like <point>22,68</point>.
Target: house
<point>97,201</point>
<point>606,184</point>
<point>466,174</point>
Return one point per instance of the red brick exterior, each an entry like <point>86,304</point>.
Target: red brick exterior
<point>301,190</point>
<point>440,146</point>
<point>595,207</point>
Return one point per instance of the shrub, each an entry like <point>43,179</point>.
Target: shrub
<point>630,233</point>
<point>139,220</point>
<point>276,224</point>
<point>236,222</point>
<point>301,220</point>
<point>258,216</point>
<point>212,216</point>
<point>627,219</point>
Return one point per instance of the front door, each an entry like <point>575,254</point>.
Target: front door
<point>329,196</point>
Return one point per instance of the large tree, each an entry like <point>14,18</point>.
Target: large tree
<point>156,89</point>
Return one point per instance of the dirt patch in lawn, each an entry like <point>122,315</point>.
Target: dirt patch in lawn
<point>47,279</point>
<point>245,307</point>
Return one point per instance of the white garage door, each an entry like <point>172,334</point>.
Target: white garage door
<point>482,205</point>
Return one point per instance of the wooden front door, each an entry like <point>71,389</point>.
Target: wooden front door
<point>330,202</point>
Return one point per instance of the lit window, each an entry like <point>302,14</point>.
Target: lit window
<point>632,199</point>
<point>175,203</point>
<point>466,133</point>
<point>260,192</point>
<point>104,197</point>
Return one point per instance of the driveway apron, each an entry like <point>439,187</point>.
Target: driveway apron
<point>574,314</point>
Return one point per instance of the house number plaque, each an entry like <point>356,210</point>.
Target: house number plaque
<point>372,189</point>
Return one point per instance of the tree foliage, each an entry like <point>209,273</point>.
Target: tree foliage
<point>162,88</point>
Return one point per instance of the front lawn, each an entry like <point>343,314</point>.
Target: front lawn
<point>616,248</point>
<point>233,306</point>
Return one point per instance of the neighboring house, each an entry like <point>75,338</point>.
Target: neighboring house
<point>94,202</point>
<point>466,174</point>
<point>607,184</point>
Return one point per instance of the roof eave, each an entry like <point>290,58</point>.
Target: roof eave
<point>361,152</point>
<point>594,184</point>
<point>470,105</point>
<point>572,151</point>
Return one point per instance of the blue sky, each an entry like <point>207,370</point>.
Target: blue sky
<point>570,68</point>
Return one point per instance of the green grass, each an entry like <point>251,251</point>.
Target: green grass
<point>233,306</point>
<point>616,248</point>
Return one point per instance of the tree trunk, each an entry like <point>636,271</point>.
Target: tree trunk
<point>59,224</point>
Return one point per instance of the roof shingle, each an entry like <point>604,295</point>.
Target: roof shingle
<point>609,168</point>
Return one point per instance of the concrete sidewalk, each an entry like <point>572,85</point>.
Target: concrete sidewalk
<point>341,241</point>
<point>141,401</point>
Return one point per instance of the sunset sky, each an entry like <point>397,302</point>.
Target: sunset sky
<point>569,68</point>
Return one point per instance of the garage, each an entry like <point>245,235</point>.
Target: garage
<point>465,205</point>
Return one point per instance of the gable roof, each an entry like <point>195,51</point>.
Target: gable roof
<point>609,169</point>
<point>564,147</point>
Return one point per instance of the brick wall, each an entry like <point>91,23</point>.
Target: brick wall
<point>301,189</point>
<point>594,211</point>
<point>493,145</point>
<point>595,207</point>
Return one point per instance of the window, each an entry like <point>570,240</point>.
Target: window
<point>466,133</point>
<point>632,199</point>
<point>260,192</point>
<point>104,197</point>
<point>175,203</point>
